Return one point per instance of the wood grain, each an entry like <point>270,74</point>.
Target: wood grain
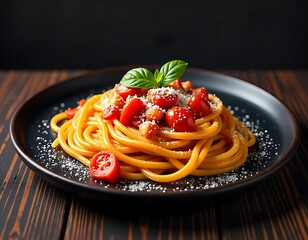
<point>31,208</point>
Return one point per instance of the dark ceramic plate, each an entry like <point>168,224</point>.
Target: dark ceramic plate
<point>274,125</point>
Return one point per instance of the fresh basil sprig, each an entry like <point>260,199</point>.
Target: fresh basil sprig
<point>144,78</point>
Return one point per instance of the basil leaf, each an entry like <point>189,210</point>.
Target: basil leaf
<point>172,70</point>
<point>144,78</point>
<point>159,77</point>
<point>156,73</point>
<point>139,78</point>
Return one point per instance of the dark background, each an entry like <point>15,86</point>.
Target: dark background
<point>38,34</point>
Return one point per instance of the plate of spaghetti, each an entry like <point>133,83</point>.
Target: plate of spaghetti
<point>154,133</point>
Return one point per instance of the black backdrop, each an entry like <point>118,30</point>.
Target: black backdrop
<point>38,34</point>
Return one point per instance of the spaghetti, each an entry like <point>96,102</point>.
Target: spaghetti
<point>147,148</point>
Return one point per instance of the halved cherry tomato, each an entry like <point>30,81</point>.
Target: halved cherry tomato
<point>70,112</point>
<point>132,109</point>
<point>163,97</point>
<point>180,119</point>
<point>199,104</point>
<point>111,112</point>
<point>124,92</point>
<point>105,166</point>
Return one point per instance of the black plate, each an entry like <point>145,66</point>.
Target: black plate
<point>275,126</point>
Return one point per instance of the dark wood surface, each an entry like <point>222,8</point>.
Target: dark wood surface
<point>31,208</point>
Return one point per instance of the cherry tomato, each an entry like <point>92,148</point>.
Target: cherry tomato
<point>163,97</point>
<point>199,104</point>
<point>105,166</point>
<point>180,119</point>
<point>124,92</point>
<point>111,112</point>
<point>70,112</point>
<point>148,129</point>
<point>132,109</point>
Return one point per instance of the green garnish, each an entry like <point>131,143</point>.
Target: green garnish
<point>144,78</point>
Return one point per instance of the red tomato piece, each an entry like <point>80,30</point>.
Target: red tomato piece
<point>154,113</point>
<point>132,110</point>
<point>116,100</point>
<point>180,119</point>
<point>111,112</point>
<point>105,166</point>
<point>70,112</point>
<point>137,120</point>
<point>163,97</point>
<point>124,92</point>
<point>188,86</point>
<point>202,91</point>
<point>199,103</point>
<point>82,102</point>
<point>177,83</point>
<point>148,129</point>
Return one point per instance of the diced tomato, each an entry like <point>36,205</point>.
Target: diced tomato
<point>154,113</point>
<point>134,107</point>
<point>199,104</point>
<point>111,112</point>
<point>180,119</point>
<point>117,100</point>
<point>70,112</point>
<point>177,83</point>
<point>188,86</point>
<point>202,91</point>
<point>137,120</point>
<point>124,92</point>
<point>163,97</point>
<point>148,129</point>
<point>105,166</point>
<point>82,102</point>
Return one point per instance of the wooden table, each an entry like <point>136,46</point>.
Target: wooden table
<point>31,208</point>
